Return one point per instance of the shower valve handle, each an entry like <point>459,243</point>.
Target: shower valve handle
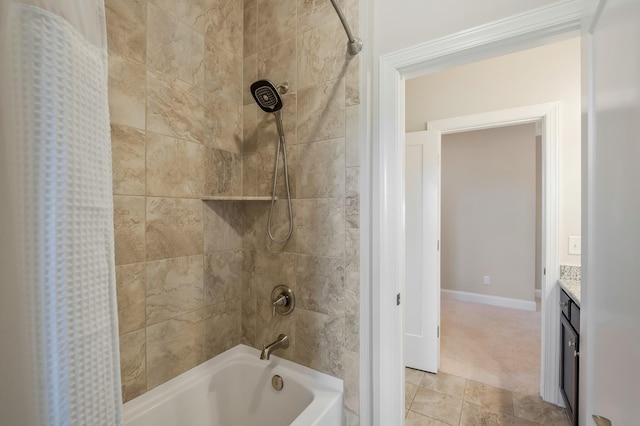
<point>283,300</point>
<point>280,301</point>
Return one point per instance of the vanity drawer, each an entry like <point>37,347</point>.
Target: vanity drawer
<point>575,316</point>
<point>565,303</point>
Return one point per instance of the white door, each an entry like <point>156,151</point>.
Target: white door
<point>422,250</point>
<point>610,328</point>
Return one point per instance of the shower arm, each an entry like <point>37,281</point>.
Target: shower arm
<point>354,45</point>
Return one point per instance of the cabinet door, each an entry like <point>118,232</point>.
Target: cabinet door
<point>569,368</point>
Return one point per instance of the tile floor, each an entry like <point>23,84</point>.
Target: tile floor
<point>445,400</point>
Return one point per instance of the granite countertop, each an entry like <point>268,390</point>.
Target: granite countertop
<point>572,287</point>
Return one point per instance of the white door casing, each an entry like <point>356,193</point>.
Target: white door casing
<point>386,259</point>
<point>422,230</point>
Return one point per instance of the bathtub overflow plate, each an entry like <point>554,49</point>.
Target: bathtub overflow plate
<point>277,382</point>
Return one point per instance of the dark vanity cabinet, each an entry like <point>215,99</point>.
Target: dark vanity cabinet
<point>569,354</point>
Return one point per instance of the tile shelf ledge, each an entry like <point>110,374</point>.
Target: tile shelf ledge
<point>235,198</point>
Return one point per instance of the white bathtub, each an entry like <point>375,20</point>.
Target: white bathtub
<point>234,389</point>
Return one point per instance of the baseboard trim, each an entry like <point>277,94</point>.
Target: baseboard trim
<point>505,302</point>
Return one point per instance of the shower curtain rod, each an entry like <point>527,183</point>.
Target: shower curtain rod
<point>354,45</point>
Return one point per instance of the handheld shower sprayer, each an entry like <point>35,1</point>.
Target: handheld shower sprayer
<point>267,96</point>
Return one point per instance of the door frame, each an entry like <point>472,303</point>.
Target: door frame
<point>384,263</point>
<point>549,115</point>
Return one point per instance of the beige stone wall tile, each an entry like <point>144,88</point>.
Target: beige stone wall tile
<point>129,224</point>
<point>223,124</point>
<point>269,327</point>
<point>249,307</point>
<point>222,276</point>
<point>250,127</point>
<point>174,228</point>
<point>278,64</point>
<point>175,168</point>
<point>276,22</point>
<point>128,159</point>
<point>322,54</point>
<point>174,346</point>
<point>352,82</point>
<point>174,48</point>
<point>127,28</point>
<point>249,3</point>
<point>133,364</point>
<point>351,362</point>
<point>223,72</point>
<point>174,287</point>
<point>268,137</point>
<point>352,140</point>
<point>320,284</point>
<point>352,311</point>
<point>222,327</point>
<point>352,200</point>
<point>321,171</point>
<point>224,24</point>
<point>321,112</point>
<point>320,342</point>
<point>352,212</point>
<point>320,227</point>
<point>131,292</point>
<point>254,222</point>
<point>127,94</point>
<point>222,226</point>
<point>175,108</point>
<point>248,267</point>
<point>352,185</point>
<point>249,76</point>
<point>279,228</point>
<point>250,33</point>
<point>250,174</point>
<point>189,12</point>
<point>265,171</point>
<point>352,250</point>
<point>270,270</point>
<point>223,172</point>
<point>313,13</point>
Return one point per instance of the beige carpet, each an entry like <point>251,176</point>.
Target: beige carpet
<point>492,345</point>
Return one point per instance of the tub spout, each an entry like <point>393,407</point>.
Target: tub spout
<point>281,342</point>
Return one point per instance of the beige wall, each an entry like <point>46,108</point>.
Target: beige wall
<point>545,74</point>
<point>489,211</point>
<point>194,277</point>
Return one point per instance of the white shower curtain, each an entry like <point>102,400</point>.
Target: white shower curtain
<point>58,281</point>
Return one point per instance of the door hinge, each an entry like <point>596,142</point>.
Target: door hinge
<point>398,300</point>
<point>544,271</point>
<point>438,245</point>
<point>438,332</point>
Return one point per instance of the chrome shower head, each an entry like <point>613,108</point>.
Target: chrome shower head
<point>266,96</point>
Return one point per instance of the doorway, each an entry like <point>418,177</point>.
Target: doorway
<point>548,114</point>
<point>488,251</point>
<point>387,244</point>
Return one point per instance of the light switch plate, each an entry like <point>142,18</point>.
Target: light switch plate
<point>575,245</point>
